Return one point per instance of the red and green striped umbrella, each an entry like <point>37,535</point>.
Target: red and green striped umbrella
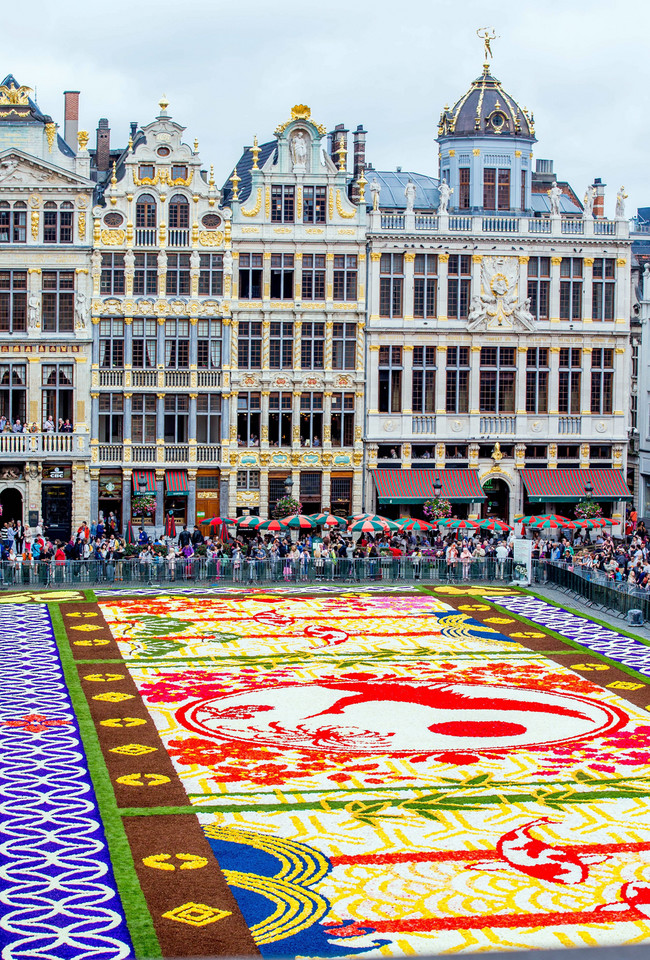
<point>527,520</point>
<point>493,525</point>
<point>360,516</point>
<point>248,523</point>
<point>593,523</point>
<point>551,521</point>
<point>459,524</point>
<point>216,521</point>
<point>298,520</point>
<point>388,525</point>
<point>419,526</point>
<point>328,520</point>
<point>367,526</point>
<point>272,525</point>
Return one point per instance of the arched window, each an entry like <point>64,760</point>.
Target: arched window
<point>145,211</point>
<point>179,212</point>
<point>57,222</point>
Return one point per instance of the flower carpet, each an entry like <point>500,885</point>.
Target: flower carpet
<point>454,769</point>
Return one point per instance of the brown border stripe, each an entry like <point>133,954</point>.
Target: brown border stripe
<point>89,635</point>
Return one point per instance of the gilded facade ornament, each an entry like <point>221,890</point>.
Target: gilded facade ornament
<point>235,180</point>
<point>18,96</point>
<point>258,206</point>
<point>81,224</point>
<point>340,209</point>
<point>50,133</point>
<point>35,218</point>
<point>255,150</point>
<point>82,139</point>
<point>210,238</point>
<point>300,112</point>
<point>267,202</point>
<point>330,202</point>
<point>113,238</point>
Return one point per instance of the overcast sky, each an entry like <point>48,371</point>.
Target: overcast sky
<point>232,70</point>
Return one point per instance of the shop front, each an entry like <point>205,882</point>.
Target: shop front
<point>341,494</point>
<point>110,496</point>
<point>569,492</point>
<point>404,492</point>
<point>207,494</point>
<point>143,498</point>
<point>56,501</point>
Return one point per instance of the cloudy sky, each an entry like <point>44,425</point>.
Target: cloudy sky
<point>232,70</point>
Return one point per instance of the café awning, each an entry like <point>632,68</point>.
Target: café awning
<point>568,486</point>
<point>416,486</point>
<point>144,481</point>
<point>176,482</point>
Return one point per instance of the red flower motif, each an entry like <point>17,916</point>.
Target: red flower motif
<point>34,723</point>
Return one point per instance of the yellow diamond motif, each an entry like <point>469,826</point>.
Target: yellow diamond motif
<point>196,914</point>
<point>113,696</point>
<point>103,677</point>
<point>82,614</point>
<point>133,749</point>
<point>87,627</point>
<point>91,643</point>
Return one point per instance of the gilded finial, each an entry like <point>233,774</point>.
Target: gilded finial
<point>163,103</point>
<point>130,145</point>
<point>255,150</point>
<point>487,35</point>
<point>211,178</point>
<point>361,183</point>
<point>342,153</point>
<point>114,176</point>
<point>196,146</point>
<point>82,139</point>
<point>235,184</point>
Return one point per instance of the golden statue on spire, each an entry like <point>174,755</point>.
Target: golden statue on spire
<point>487,35</point>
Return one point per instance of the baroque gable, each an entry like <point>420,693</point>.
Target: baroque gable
<point>18,170</point>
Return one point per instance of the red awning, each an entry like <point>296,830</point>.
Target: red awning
<point>416,486</point>
<point>176,482</point>
<point>568,486</point>
<point>149,484</point>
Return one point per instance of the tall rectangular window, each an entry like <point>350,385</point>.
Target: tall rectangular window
<point>489,188</point>
<point>537,372</point>
<point>282,203</point>
<point>208,418</point>
<point>177,414</point>
<point>13,222</point>
<point>281,345</point>
<point>539,286</point>
<point>391,284</point>
<point>112,276</point>
<point>342,419</point>
<point>312,345</point>
<point>457,386</point>
<point>602,380</point>
<point>178,274</point>
<point>571,288</point>
<point>498,375</point>
<point>280,418</point>
<point>345,277</point>
<point>57,301</point>
<point>570,380</point>
<point>57,381</point>
<point>249,345</point>
<point>145,278</point>
<point>523,190</point>
<point>603,289</point>
<point>282,276</point>
<point>143,418</point>
<point>313,276</point>
<point>390,379</point>
<point>211,275</point>
<point>208,344</point>
<point>314,204</point>
<point>344,346</point>
<point>13,391</point>
<point>425,285</point>
<point>464,199</point>
<point>503,192</point>
<point>250,276</point>
<point>248,479</point>
<point>177,344</point>
<point>13,301</point>
<point>424,380</point>
<point>311,419</point>
<point>57,222</point>
<point>111,417</point>
<point>145,344</point>
<point>248,419</point>
<point>111,343</point>
<point>458,286</point>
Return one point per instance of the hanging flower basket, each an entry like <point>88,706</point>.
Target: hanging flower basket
<point>437,508</point>
<point>587,509</point>
<point>286,506</point>
<point>144,505</point>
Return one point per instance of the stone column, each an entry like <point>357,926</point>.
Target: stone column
<point>297,276</point>
<point>126,428</point>
<point>94,495</point>
<point>266,274</point>
<point>94,416</point>
<point>224,494</point>
<point>476,275</point>
<point>191,498</point>
<point>160,502</point>
<point>443,276</point>
<point>621,384</point>
<point>264,426</point>
<point>585,384</point>
<point>34,391</point>
<point>587,288</point>
<point>326,489</point>
<point>441,379</point>
<point>407,379</point>
<point>409,285</point>
<point>622,297</point>
<point>327,419</point>
<point>360,358</point>
<point>160,349</point>
<point>265,459</point>
<point>127,483</point>
<point>329,327</point>
<point>474,378</point>
<point>373,285</point>
<point>295,417</point>
<point>522,353</point>
<point>297,346</point>
<point>266,344</point>
<point>191,436</point>
<point>554,297</point>
<point>523,275</point>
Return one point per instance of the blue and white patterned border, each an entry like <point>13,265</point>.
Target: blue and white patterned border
<point>58,898</point>
<point>624,650</point>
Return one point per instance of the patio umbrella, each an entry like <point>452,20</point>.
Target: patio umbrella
<point>495,525</point>
<point>217,520</point>
<point>418,526</point>
<point>360,516</point>
<point>328,520</point>
<point>273,525</point>
<point>248,523</point>
<point>129,534</point>
<point>552,522</point>
<point>388,524</point>
<point>459,524</point>
<point>170,525</point>
<point>298,520</point>
<point>367,526</point>
<point>593,523</point>
<point>526,520</point>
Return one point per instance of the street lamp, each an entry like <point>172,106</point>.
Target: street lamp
<point>589,489</point>
<point>288,485</point>
<point>437,489</point>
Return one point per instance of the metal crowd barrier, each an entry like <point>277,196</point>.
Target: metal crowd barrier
<point>597,589</point>
<point>122,573</point>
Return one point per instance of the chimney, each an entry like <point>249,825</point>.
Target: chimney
<point>599,200</point>
<point>71,118</point>
<point>358,159</point>
<point>334,138</point>
<point>103,153</point>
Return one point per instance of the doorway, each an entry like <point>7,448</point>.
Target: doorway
<point>497,504</point>
<point>11,500</point>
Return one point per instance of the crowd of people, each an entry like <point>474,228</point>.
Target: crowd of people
<point>49,426</point>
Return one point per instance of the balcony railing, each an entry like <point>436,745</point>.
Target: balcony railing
<point>44,445</point>
<point>208,453</point>
<point>177,378</point>
<point>463,224</point>
<point>392,221</point>
<point>607,227</point>
<point>177,452</point>
<point>146,237</point>
<point>497,425</point>
<point>500,224</point>
<point>144,378</point>
<point>569,425</point>
<point>111,378</point>
<point>178,238</point>
<point>573,226</point>
<point>423,424</point>
<point>425,222</point>
<point>208,378</point>
<point>145,453</point>
<point>537,225</point>
<point>148,452</point>
<point>505,224</point>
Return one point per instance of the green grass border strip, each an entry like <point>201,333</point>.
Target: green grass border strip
<point>138,918</point>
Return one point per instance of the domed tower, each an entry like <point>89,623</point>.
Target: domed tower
<point>485,153</point>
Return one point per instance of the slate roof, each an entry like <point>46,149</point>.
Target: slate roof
<point>244,167</point>
<point>35,114</point>
<point>470,116</point>
<point>392,183</point>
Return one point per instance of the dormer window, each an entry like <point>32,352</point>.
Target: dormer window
<point>179,172</point>
<point>146,171</point>
<point>497,121</point>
